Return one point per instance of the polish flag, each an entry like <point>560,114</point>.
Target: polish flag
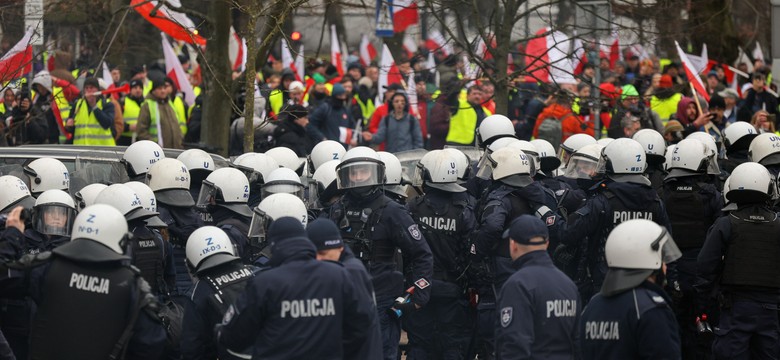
<point>335,50</point>
<point>693,76</point>
<point>614,50</point>
<point>388,73</point>
<point>410,46</point>
<point>288,62</point>
<point>411,93</point>
<point>404,15</point>
<point>299,68</point>
<point>436,42</point>
<point>176,25</point>
<point>758,54</point>
<point>743,58</point>
<point>18,60</point>
<point>176,72</point>
<point>367,51</point>
<point>700,63</point>
<point>236,51</point>
<point>547,56</point>
<point>580,57</point>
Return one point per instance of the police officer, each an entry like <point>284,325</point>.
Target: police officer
<point>139,157</point>
<point>394,184</point>
<point>445,216</point>
<point>86,196</point>
<point>538,305</point>
<point>257,168</point>
<point>170,181</point>
<point>323,190</point>
<point>46,174</point>
<point>738,267</point>
<point>200,164</point>
<point>286,158</point>
<point>148,252</point>
<point>324,151</point>
<point>87,281</point>
<point>655,147</point>
<point>221,279</point>
<point>463,162</point>
<point>223,195</point>
<point>692,206</point>
<point>625,194</point>
<point>714,172</point>
<point>315,300</point>
<point>275,206</point>
<point>630,317</point>
<point>494,127</point>
<point>326,237</point>
<point>737,139</point>
<point>477,186</point>
<point>374,226</point>
<point>514,193</point>
<point>283,180</point>
<point>15,193</point>
<point>572,144</point>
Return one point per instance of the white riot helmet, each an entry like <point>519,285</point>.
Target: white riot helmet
<point>604,141</point>
<point>548,160</point>
<point>494,127</point>
<point>439,170</point>
<point>499,143</point>
<point>124,199</point>
<point>47,174</point>
<point>256,167</point>
<point>690,157</point>
<point>322,186</point>
<point>584,163</point>
<point>207,247</point>
<point>148,201</point>
<point>750,183</point>
<point>53,213</point>
<point>510,166</point>
<point>668,156</point>
<point>273,207</point>
<point>170,181</point>
<point>323,152</point>
<point>286,158</point>
<point>727,204</point>
<point>283,181</point>
<point>228,188</point>
<point>393,173</point>
<point>462,161</point>
<point>713,168</point>
<point>764,149</point>
<point>361,167</point>
<point>653,143</point>
<point>739,133</point>
<point>15,193</point>
<point>140,156</point>
<point>103,224</point>
<point>239,157</point>
<point>528,149</point>
<point>624,160</point>
<point>634,246</point>
<point>572,144</point>
<point>86,196</point>
<point>197,159</point>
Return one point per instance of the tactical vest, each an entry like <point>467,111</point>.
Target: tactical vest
<point>148,255</point>
<point>520,206</point>
<point>227,285</point>
<point>753,249</point>
<point>685,207</point>
<point>441,230</point>
<point>88,129</point>
<point>619,212</point>
<point>241,227</point>
<point>97,297</point>
<point>357,225</point>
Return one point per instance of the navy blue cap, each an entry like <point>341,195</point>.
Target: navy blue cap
<point>526,227</point>
<point>337,90</point>
<point>286,228</point>
<point>324,234</point>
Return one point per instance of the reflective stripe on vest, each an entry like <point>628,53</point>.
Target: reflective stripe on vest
<point>88,130</point>
<point>130,115</point>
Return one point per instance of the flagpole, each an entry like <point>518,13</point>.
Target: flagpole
<point>696,97</point>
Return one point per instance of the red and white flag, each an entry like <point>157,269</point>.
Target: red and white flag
<point>405,14</point>
<point>431,63</point>
<point>299,66</point>
<point>287,58</point>
<point>700,63</point>
<point>742,58</point>
<point>690,72</point>
<point>175,24</point>
<point>758,53</point>
<point>580,57</point>
<point>367,51</point>
<point>411,93</point>
<point>547,56</point>
<point>236,51</point>
<point>175,71</point>
<point>410,46</point>
<point>18,60</point>
<point>388,73</point>
<point>615,54</point>
<point>436,42</point>
<point>335,50</point>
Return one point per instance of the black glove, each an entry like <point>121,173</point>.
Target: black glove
<point>404,308</point>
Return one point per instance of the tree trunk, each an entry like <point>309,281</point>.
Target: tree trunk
<point>216,112</point>
<point>249,107</point>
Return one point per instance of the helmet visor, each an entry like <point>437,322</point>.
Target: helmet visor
<point>360,174</point>
<point>53,219</point>
<point>712,165</point>
<point>207,195</point>
<point>278,187</point>
<point>564,155</point>
<point>486,166</point>
<point>419,175</point>
<point>259,225</point>
<point>669,250</point>
<point>581,168</point>
<point>251,175</point>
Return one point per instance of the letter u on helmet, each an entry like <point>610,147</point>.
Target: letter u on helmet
<point>438,169</point>
<point>140,156</point>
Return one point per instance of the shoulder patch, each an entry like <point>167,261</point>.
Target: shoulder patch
<point>422,283</point>
<point>550,220</point>
<point>414,231</point>
<point>658,299</point>
<point>506,316</point>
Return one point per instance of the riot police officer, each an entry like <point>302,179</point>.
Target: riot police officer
<point>692,205</point>
<point>286,158</point>
<point>139,157</point>
<point>445,216</point>
<point>86,196</point>
<point>87,281</point>
<point>47,174</point>
<point>223,195</point>
<point>494,127</point>
<point>221,279</point>
<point>274,207</point>
<point>463,162</point>
<point>15,193</point>
<point>737,139</point>
<point>283,180</point>
<point>572,144</point>
<point>625,194</point>
<point>323,190</point>
<point>315,300</point>
<point>325,151</point>
<point>374,226</point>
<point>200,164</point>
<point>538,305</point>
<point>394,184</point>
<point>257,168</point>
<point>655,146</point>
<point>738,267</point>
<point>630,317</point>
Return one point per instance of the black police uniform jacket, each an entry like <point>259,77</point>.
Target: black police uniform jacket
<point>84,283</point>
<point>181,221</point>
<point>634,324</point>
<point>301,308</point>
<point>538,311</point>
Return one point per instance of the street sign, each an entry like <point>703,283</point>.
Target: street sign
<point>33,18</point>
<point>384,18</point>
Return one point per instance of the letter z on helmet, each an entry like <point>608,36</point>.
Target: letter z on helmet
<point>208,247</point>
<point>103,224</point>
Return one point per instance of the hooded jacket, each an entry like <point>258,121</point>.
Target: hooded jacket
<point>399,134</point>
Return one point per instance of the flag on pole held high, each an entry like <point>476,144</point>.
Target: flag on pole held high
<point>175,24</point>
<point>405,14</point>
<point>388,73</point>
<point>437,42</point>
<point>367,51</point>
<point>335,50</point>
<point>18,60</point>
<point>299,67</point>
<point>175,71</point>
<point>758,53</point>
<point>547,56</point>
<point>690,72</point>
<point>236,51</point>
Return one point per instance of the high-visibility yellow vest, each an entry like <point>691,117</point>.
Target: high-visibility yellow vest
<point>130,114</point>
<point>463,124</point>
<point>665,107</point>
<point>366,109</point>
<point>276,99</point>
<point>64,106</point>
<point>181,113</point>
<point>154,116</point>
<point>88,130</point>
<point>147,87</point>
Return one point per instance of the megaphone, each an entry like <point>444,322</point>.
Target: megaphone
<point>122,89</point>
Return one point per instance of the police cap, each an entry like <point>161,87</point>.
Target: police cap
<point>525,228</point>
<point>324,234</point>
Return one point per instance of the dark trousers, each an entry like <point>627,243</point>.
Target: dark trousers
<point>747,330</point>
<point>441,329</point>
<point>390,326</point>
